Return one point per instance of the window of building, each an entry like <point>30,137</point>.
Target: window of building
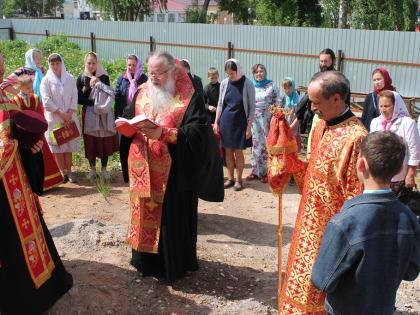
<point>161,17</point>
<point>171,17</point>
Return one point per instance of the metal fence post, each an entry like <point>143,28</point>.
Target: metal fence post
<point>339,59</point>
<point>11,33</point>
<point>151,44</point>
<point>229,50</point>
<point>47,34</point>
<point>92,42</point>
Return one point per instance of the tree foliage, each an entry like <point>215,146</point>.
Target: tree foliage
<point>288,13</point>
<point>33,8</point>
<point>199,15</point>
<point>243,10</point>
<point>373,14</point>
<point>127,10</point>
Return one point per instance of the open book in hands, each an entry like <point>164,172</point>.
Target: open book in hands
<point>129,127</point>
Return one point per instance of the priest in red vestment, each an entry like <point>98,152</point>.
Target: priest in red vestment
<point>168,168</point>
<point>330,180</point>
<point>32,275</point>
<point>26,99</point>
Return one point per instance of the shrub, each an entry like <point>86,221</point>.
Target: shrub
<point>69,51</point>
<point>14,54</point>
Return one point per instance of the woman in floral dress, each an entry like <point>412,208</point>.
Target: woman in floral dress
<point>266,94</point>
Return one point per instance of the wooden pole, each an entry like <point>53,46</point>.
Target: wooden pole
<point>47,34</point>
<point>92,42</point>
<point>151,44</point>
<point>11,33</point>
<point>229,50</point>
<point>280,246</point>
<point>339,60</point>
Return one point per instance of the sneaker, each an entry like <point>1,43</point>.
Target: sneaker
<point>105,175</point>
<point>72,180</point>
<point>92,175</point>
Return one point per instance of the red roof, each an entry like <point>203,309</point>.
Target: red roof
<point>173,5</point>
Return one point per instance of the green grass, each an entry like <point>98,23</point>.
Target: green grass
<point>103,186</point>
<point>73,56</point>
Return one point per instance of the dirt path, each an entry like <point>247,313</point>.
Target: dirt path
<point>237,250</point>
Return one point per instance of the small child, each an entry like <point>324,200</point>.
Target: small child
<point>290,100</point>
<point>26,93</point>
<point>211,94</point>
<point>374,242</point>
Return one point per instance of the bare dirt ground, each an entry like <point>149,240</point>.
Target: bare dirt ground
<point>237,250</point>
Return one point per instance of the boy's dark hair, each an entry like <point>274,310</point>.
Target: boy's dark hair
<point>384,152</point>
<point>231,66</point>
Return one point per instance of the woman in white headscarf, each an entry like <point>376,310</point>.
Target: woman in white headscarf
<point>394,117</point>
<point>234,115</point>
<point>59,94</point>
<point>32,67</point>
<point>95,146</point>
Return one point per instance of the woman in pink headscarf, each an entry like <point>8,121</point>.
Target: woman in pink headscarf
<point>234,115</point>
<point>394,117</point>
<point>128,83</point>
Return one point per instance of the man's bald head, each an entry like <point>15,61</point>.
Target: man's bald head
<point>328,92</point>
<point>332,82</point>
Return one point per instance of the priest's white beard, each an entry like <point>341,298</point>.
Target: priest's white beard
<point>162,96</point>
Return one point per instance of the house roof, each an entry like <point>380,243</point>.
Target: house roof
<point>173,5</point>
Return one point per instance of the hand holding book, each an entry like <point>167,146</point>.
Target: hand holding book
<point>129,127</point>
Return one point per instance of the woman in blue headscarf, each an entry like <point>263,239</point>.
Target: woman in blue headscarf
<point>290,100</point>
<point>32,67</point>
<point>266,94</point>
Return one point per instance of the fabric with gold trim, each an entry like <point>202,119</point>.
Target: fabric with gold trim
<point>330,180</point>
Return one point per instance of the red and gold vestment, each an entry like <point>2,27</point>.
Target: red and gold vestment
<point>149,163</point>
<point>330,180</point>
<point>23,203</point>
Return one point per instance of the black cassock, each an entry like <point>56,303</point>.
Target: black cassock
<point>18,294</point>
<point>196,172</point>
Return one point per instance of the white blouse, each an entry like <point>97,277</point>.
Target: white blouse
<point>63,96</point>
<point>406,128</point>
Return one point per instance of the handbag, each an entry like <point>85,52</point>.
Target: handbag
<point>411,198</point>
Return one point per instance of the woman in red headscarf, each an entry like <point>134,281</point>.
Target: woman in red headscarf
<point>381,82</point>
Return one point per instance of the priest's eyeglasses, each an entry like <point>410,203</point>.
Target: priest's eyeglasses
<point>159,75</point>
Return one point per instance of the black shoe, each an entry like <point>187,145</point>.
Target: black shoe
<point>238,186</point>
<point>65,179</point>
